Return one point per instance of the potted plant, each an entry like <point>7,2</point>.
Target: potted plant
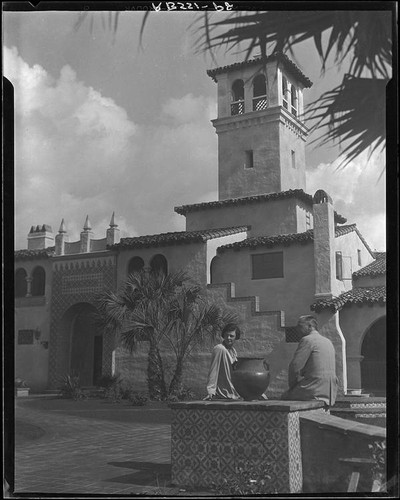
<point>21,389</point>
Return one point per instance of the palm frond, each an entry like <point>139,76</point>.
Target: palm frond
<point>354,112</point>
<point>364,36</point>
<point>144,20</point>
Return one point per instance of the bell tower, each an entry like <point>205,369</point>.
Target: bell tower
<point>261,136</point>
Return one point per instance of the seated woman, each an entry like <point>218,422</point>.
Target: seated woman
<point>224,356</point>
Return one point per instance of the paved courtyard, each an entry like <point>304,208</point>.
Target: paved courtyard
<point>91,447</point>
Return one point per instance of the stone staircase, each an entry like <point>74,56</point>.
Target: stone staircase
<point>363,408</point>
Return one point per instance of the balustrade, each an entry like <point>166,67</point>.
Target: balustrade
<point>237,107</point>
<point>260,102</point>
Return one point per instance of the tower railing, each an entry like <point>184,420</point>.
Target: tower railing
<point>260,102</point>
<point>237,107</point>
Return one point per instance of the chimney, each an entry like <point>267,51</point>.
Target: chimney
<point>40,237</point>
<point>61,238</point>
<point>86,236</point>
<point>113,235</point>
<point>324,246</point>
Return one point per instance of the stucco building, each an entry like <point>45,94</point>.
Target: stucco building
<point>266,248</point>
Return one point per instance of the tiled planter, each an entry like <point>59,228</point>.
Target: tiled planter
<point>211,439</point>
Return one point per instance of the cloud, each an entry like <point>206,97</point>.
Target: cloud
<point>77,152</point>
<point>358,193</point>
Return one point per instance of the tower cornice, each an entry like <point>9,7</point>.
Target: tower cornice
<point>273,114</point>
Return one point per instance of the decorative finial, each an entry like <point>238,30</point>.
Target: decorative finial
<point>112,221</point>
<point>63,228</point>
<point>87,226</point>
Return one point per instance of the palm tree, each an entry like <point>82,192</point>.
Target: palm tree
<point>193,320</point>
<point>162,308</point>
<point>138,312</point>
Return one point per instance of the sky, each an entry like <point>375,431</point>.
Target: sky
<point>102,126</point>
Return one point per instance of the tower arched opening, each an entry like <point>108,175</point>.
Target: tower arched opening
<point>237,105</point>
<point>259,93</point>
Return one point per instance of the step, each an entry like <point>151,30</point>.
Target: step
<point>370,411</point>
<point>359,402</point>
<point>370,416</point>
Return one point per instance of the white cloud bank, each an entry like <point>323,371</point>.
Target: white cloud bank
<point>358,193</point>
<point>77,153</point>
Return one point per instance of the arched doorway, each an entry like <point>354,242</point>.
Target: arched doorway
<point>86,344</point>
<point>373,365</point>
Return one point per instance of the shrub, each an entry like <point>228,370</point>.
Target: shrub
<point>378,451</point>
<point>182,394</point>
<point>107,381</point>
<point>119,389</point>
<point>70,388</point>
<point>138,399</point>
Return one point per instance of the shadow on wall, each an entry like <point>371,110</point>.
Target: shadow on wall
<point>143,473</point>
<point>278,360</point>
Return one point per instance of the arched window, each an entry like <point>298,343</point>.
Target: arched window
<point>213,265</point>
<point>21,286</point>
<point>293,99</point>
<point>38,281</point>
<point>285,93</point>
<point>259,93</point>
<point>136,264</point>
<point>237,106</point>
<point>159,264</point>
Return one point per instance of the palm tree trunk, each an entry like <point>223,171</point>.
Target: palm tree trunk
<point>176,382</point>
<point>155,374</point>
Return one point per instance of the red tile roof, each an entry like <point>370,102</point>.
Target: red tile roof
<point>34,254</point>
<point>375,268</point>
<point>288,63</point>
<point>291,193</point>
<point>367,295</point>
<point>284,239</point>
<point>175,238</point>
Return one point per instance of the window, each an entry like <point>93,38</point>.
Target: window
<point>284,92</point>
<point>293,154</point>
<point>259,93</point>
<point>237,106</point>
<point>267,265</point>
<point>359,260</point>
<point>21,286</point>
<point>339,266</point>
<point>25,337</point>
<point>38,281</point>
<point>136,264</point>
<point>213,264</point>
<point>293,99</point>
<point>159,264</point>
<point>249,160</point>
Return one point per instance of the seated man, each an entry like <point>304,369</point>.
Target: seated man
<point>312,373</point>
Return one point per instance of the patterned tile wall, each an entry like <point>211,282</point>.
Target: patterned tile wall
<point>209,444</point>
<point>76,282</point>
